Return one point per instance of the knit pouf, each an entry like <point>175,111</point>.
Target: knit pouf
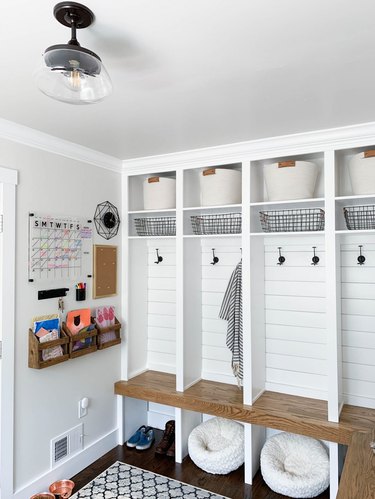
<point>294,465</point>
<point>217,446</point>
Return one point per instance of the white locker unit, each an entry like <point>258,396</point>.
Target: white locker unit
<point>309,330</point>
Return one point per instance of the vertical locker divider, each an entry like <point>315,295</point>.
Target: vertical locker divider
<point>179,281</point>
<point>180,444</point>
<point>124,283</point>
<point>333,287</point>
<point>246,306</point>
<point>333,301</point>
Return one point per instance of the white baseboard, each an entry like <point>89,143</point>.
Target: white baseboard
<point>71,467</point>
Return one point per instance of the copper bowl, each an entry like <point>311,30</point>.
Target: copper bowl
<point>62,488</point>
<point>43,495</point>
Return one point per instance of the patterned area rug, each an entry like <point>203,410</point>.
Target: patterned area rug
<point>122,481</point>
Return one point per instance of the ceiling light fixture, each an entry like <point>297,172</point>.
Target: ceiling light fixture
<point>71,73</point>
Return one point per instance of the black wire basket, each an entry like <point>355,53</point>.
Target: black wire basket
<point>220,223</point>
<point>360,217</point>
<point>301,220</point>
<point>155,226</point>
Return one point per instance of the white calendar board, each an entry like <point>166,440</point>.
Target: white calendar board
<point>59,248</point>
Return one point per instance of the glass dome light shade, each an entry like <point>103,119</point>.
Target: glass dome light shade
<point>73,74</point>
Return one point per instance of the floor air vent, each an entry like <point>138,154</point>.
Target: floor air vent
<point>60,450</point>
<point>66,445</point>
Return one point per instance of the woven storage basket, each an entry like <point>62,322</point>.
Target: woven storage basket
<point>290,180</point>
<point>360,217</point>
<point>220,186</point>
<point>155,226</point>
<point>223,223</point>
<point>159,193</point>
<point>362,173</point>
<point>302,220</point>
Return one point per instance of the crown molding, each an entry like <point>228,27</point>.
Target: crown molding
<point>272,147</point>
<point>40,140</point>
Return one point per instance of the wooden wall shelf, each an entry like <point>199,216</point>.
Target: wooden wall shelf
<point>300,415</point>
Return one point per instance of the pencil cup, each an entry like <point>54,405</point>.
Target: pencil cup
<point>81,294</point>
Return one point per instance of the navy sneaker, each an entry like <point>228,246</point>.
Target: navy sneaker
<point>135,438</point>
<point>146,440</point>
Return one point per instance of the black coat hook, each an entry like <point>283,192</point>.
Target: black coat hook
<point>158,257</point>
<point>315,259</point>
<point>361,259</point>
<point>281,258</point>
<point>215,259</point>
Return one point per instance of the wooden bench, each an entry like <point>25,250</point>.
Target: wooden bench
<point>300,415</point>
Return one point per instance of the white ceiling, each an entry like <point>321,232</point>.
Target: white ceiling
<point>197,73</point>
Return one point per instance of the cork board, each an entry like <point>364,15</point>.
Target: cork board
<point>105,271</point>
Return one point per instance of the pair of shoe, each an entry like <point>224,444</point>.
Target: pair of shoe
<point>166,446</point>
<point>142,439</point>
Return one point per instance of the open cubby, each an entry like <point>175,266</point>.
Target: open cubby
<point>343,185</point>
<point>135,189</point>
<point>205,353</point>
<point>258,191</point>
<point>191,188</point>
<point>151,330</point>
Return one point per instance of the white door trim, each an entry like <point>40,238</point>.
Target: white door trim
<point>8,181</point>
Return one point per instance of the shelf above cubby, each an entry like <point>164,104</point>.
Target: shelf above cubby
<point>289,204</point>
<point>151,237</point>
<point>205,236</point>
<point>225,207</point>
<point>151,212</point>
<point>355,200</point>
<point>283,234</point>
<point>355,232</point>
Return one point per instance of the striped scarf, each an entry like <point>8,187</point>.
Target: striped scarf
<point>231,311</point>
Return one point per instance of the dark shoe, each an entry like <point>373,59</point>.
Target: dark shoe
<point>171,450</point>
<point>167,439</point>
<point>134,439</point>
<point>146,440</point>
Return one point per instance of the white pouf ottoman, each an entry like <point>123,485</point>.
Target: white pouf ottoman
<point>217,446</point>
<point>294,465</point>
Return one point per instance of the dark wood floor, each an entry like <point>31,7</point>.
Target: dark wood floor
<point>231,485</point>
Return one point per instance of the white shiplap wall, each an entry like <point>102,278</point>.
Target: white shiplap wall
<point>358,324</point>
<point>161,307</point>
<point>216,358</point>
<point>295,318</point>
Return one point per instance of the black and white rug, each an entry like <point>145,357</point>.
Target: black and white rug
<point>122,481</point>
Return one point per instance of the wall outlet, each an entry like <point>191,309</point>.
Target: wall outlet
<point>83,407</point>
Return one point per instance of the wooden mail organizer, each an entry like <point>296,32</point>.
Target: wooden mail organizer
<point>36,350</point>
<point>272,410</point>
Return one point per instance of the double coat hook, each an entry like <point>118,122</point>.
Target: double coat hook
<point>315,259</point>
<point>215,259</point>
<point>158,257</point>
<point>281,258</point>
<point>361,259</point>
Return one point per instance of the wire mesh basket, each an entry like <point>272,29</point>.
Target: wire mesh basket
<point>220,223</point>
<point>360,217</point>
<point>301,220</point>
<point>155,226</point>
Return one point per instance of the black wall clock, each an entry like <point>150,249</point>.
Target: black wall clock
<point>107,220</point>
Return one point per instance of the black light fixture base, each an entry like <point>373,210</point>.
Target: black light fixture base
<point>64,12</point>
